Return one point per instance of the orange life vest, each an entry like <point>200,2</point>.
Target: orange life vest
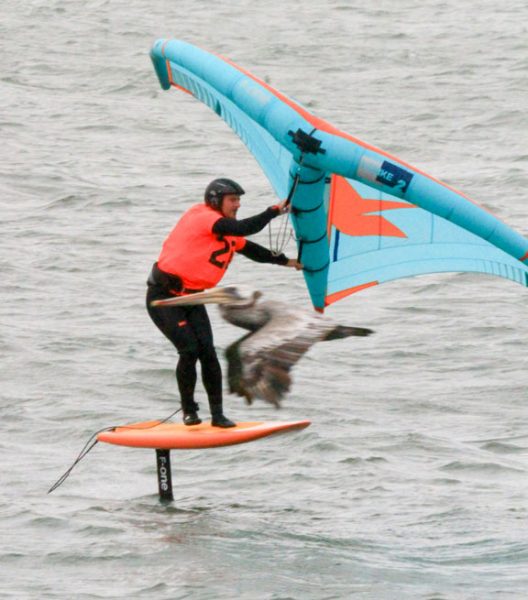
<point>194,253</point>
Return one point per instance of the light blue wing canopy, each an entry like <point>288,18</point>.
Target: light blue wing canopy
<point>361,216</point>
<point>376,237</point>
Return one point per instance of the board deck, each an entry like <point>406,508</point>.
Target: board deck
<point>176,436</point>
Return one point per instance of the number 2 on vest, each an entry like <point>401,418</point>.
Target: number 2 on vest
<point>215,256</point>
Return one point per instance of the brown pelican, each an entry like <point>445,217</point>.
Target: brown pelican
<point>279,335</point>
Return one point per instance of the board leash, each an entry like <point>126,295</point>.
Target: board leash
<point>91,443</point>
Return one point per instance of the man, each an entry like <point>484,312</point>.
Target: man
<point>195,257</point>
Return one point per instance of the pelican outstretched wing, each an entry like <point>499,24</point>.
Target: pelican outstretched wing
<point>259,363</point>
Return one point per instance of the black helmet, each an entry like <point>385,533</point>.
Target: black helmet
<point>219,188</point>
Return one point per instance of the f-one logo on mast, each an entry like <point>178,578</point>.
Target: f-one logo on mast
<point>163,474</point>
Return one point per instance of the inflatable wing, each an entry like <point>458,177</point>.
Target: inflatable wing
<point>361,216</point>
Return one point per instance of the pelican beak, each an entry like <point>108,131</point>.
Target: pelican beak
<point>217,295</point>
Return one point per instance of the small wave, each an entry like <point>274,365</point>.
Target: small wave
<point>480,468</point>
<point>503,448</point>
<point>354,460</point>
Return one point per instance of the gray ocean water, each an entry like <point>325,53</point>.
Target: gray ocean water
<point>412,480</point>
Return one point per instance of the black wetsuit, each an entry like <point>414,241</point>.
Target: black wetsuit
<point>189,328</point>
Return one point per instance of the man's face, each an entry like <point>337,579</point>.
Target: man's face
<point>230,205</point>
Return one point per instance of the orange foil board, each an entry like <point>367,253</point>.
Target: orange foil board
<point>176,436</point>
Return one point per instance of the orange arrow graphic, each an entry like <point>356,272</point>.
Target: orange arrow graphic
<point>349,212</point>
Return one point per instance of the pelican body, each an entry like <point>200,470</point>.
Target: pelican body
<point>259,363</point>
